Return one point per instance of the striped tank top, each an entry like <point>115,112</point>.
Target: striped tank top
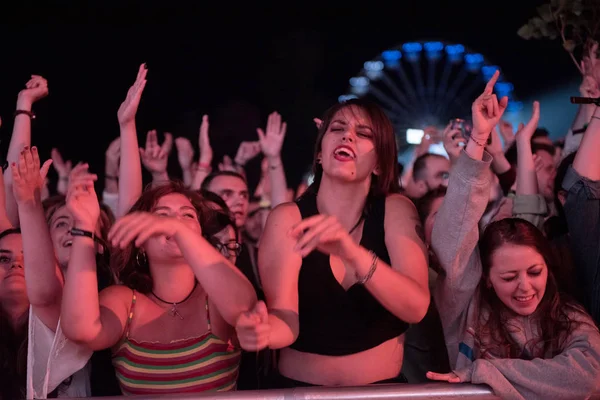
<point>200,364</point>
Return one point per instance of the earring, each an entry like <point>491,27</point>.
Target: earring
<point>144,260</point>
<point>319,160</point>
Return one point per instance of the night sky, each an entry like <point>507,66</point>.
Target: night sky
<point>236,63</point>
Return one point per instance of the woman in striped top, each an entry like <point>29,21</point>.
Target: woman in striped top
<point>170,323</point>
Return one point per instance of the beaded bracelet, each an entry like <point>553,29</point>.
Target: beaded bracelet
<point>367,278</point>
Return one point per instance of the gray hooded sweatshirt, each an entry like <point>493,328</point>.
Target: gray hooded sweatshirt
<point>572,374</point>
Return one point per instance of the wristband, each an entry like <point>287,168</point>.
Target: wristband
<point>476,142</point>
<point>28,113</point>
<point>81,232</point>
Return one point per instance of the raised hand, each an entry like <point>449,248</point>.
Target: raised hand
<point>206,152</point>
<point>227,165</point>
<point>138,227</point>
<point>62,168</point>
<point>253,329</point>
<point>246,152</point>
<point>155,157</point>
<point>185,153</point>
<point>487,111</point>
<point>272,138</point>
<point>505,129</point>
<point>494,146</point>
<point>453,141</point>
<point>450,377</point>
<point>526,131</point>
<point>318,122</point>
<point>112,157</point>
<point>423,147</point>
<point>82,200</point>
<point>129,107</point>
<point>28,177</point>
<point>35,89</point>
<point>324,233</point>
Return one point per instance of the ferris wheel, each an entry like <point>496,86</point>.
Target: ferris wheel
<point>427,83</point>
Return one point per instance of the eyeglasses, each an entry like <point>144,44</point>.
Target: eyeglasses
<point>229,248</point>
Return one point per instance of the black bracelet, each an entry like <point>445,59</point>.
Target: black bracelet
<point>81,232</point>
<point>580,130</point>
<point>28,113</point>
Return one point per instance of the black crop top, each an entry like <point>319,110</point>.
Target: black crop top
<point>334,321</point>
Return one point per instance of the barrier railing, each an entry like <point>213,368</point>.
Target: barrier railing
<point>388,392</point>
<point>440,390</point>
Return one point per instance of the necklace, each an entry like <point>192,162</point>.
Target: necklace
<point>362,216</point>
<point>173,311</point>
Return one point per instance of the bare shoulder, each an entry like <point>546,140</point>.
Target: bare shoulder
<point>284,215</point>
<point>398,205</point>
<point>116,294</point>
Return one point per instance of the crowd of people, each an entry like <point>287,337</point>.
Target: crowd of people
<point>479,267</point>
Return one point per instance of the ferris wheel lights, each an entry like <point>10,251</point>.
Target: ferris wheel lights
<point>373,69</point>
<point>391,55</point>
<point>455,49</point>
<point>412,47</point>
<point>433,46</point>
<point>503,89</point>
<point>359,81</point>
<point>488,71</point>
<point>346,97</point>
<point>475,58</point>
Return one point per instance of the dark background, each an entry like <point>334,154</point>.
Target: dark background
<point>236,63</point>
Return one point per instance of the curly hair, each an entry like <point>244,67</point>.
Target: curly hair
<point>130,264</point>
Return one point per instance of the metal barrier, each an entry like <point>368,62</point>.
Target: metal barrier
<point>385,391</point>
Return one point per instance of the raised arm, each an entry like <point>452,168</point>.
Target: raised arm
<point>112,156</point>
<point>43,278</point>
<point>63,169</point>
<point>455,231</point>
<point>582,211</point>
<point>225,285</point>
<point>35,89</point>
<point>206,155</point>
<point>185,156</point>
<point>96,321</point>
<point>130,168</point>
<point>271,141</point>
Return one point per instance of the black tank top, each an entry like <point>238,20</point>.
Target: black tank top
<point>334,321</point>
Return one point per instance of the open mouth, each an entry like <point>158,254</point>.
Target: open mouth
<point>344,153</point>
<point>524,299</point>
<point>68,243</point>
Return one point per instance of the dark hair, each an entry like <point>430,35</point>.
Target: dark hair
<point>553,312</point>
<point>424,203</point>
<point>557,225</point>
<point>535,147</point>
<point>220,218</point>
<point>208,180</point>
<point>13,356</point>
<point>130,265</point>
<point>420,165</point>
<point>540,132</point>
<point>384,141</point>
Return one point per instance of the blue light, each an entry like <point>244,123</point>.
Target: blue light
<point>412,47</point>
<point>359,81</point>
<point>346,97</point>
<point>514,106</point>
<point>503,89</point>
<point>433,46</point>
<point>373,65</point>
<point>488,71</point>
<point>391,58</point>
<point>473,58</point>
<point>455,49</point>
<point>391,55</point>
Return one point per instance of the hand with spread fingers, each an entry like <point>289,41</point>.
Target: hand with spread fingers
<point>138,227</point>
<point>28,176</point>
<point>155,157</point>
<point>82,200</point>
